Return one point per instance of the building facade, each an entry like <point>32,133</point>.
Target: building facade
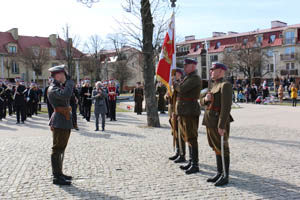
<point>280,44</point>
<point>30,57</point>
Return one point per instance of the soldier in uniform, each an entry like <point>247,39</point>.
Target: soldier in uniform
<point>9,97</point>
<point>2,100</point>
<point>19,100</point>
<point>138,98</point>
<point>161,91</point>
<point>179,157</point>
<point>59,94</point>
<point>188,111</point>
<point>86,94</point>
<point>217,119</point>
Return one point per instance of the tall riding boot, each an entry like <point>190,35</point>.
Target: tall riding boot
<point>189,164</point>
<point>181,158</point>
<point>195,160</point>
<point>224,179</point>
<point>219,170</point>
<point>58,179</point>
<point>176,152</point>
<point>62,156</point>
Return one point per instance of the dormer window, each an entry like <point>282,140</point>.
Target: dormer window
<point>245,41</point>
<point>259,39</point>
<point>36,51</point>
<point>272,38</point>
<point>12,49</point>
<point>53,52</point>
<point>218,45</point>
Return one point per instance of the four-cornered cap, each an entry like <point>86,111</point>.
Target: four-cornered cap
<point>57,69</point>
<point>218,66</point>
<point>190,61</point>
<point>178,70</point>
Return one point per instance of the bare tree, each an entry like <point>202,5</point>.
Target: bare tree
<point>36,57</point>
<point>248,59</point>
<point>142,34</point>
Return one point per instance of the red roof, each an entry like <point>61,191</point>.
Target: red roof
<point>24,42</point>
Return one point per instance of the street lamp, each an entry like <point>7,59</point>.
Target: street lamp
<point>173,5</point>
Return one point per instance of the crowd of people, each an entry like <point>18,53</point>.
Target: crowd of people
<point>260,94</point>
<point>24,101</point>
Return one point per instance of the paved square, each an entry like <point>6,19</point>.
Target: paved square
<point>130,161</point>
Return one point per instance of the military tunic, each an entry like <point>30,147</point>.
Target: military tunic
<point>187,106</point>
<point>161,91</point>
<point>138,99</point>
<point>218,115</point>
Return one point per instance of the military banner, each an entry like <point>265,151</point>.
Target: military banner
<point>167,59</point>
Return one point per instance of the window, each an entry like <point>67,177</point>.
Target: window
<point>36,51</point>
<point>245,41</point>
<point>14,67</point>
<point>259,39</point>
<point>292,66</point>
<point>287,66</point>
<point>229,50</point>
<point>214,58</point>
<point>270,67</point>
<point>12,49</point>
<point>272,38</point>
<point>218,45</point>
<point>203,73</point>
<point>203,60</point>
<point>290,50</point>
<point>290,37</point>
<point>270,53</point>
<point>53,52</point>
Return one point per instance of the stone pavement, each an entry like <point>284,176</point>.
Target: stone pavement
<point>130,161</point>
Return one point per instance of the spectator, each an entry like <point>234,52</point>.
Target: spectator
<point>280,93</point>
<point>294,94</point>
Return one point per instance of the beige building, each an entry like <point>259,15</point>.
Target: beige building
<point>30,57</point>
<point>280,44</point>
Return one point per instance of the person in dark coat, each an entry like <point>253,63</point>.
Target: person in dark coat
<point>46,100</point>
<point>73,103</point>
<point>2,100</point>
<point>19,101</point>
<point>9,98</point>
<point>138,98</point>
<point>86,94</point>
<point>161,91</point>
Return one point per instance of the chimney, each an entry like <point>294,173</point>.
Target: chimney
<point>14,33</point>
<point>218,34</point>
<point>278,24</point>
<point>52,39</point>
<point>232,33</point>
<point>189,38</point>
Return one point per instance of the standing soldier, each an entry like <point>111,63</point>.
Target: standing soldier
<point>179,156</point>
<point>2,100</point>
<point>19,100</point>
<point>46,100</point>
<point>188,111</point>
<point>217,120</point>
<point>161,91</point>
<point>138,98</point>
<point>59,94</point>
<point>9,96</point>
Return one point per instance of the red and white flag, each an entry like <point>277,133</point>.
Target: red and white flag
<point>167,59</point>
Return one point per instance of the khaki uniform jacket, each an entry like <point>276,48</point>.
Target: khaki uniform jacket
<point>188,93</point>
<point>219,116</point>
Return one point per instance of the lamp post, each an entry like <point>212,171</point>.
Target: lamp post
<point>274,69</point>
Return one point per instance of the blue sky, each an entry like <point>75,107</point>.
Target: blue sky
<point>195,17</point>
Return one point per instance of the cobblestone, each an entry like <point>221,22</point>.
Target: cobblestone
<point>130,161</point>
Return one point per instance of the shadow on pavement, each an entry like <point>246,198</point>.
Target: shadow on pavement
<point>7,128</point>
<point>87,194</point>
<point>261,186</point>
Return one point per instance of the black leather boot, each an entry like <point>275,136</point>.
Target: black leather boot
<point>175,156</point>
<point>189,164</point>
<point>195,160</point>
<point>69,178</point>
<point>223,180</point>
<point>60,180</point>
<point>219,170</point>
<point>181,158</point>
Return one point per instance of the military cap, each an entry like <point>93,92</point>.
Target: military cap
<point>190,61</point>
<point>178,70</point>
<point>57,69</point>
<point>218,66</point>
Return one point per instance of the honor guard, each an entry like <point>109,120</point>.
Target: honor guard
<point>161,91</point>
<point>178,140</point>
<point>112,99</point>
<point>188,111</point>
<point>217,120</point>
<point>86,94</point>
<point>59,94</point>
<point>19,100</point>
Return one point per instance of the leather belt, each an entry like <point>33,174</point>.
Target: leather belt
<point>186,99</point>
<point>217,109</point>
<point>65,111</point>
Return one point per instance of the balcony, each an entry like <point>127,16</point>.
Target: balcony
<point>287,41</point>
<point>287,57</point>
<point>289,72</point>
